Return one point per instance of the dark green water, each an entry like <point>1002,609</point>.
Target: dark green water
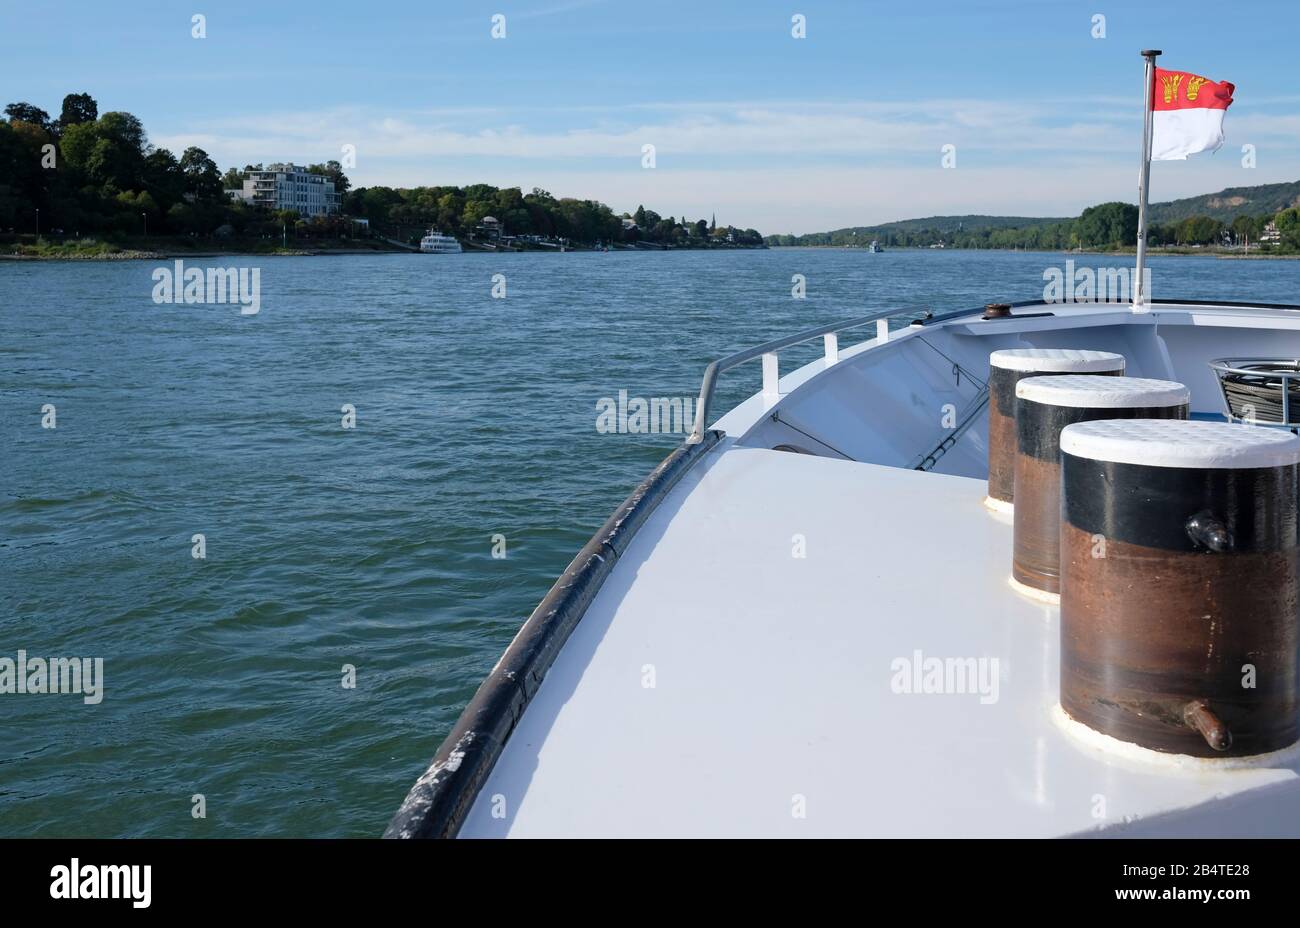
<point>369,546</point>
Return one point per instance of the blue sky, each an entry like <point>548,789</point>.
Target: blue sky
<point>843,127</point>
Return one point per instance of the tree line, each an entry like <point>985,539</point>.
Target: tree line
<point>460,211</point>
<point>1114,225</point>
<point>85,174</point>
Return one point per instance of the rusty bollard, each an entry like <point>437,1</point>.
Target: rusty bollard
<point>1006,369</point>
<point>1178,555</point>
<point>1045,406</point>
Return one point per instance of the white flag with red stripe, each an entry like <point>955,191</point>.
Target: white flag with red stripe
<point>1187,114</point>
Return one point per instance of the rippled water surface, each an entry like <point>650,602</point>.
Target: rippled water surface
<point>370,546</point>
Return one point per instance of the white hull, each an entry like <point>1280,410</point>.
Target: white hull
<point>738,671</point>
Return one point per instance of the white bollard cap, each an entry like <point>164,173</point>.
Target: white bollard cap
<point>1181,443</point>
<point>1089,391</point>
<point>1056,360</point>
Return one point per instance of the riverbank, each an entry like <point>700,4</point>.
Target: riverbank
<point>135,255</point>
<point>165,249</point>
<point>1191,252</point>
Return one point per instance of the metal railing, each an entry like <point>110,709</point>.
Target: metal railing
<point>771,368</point>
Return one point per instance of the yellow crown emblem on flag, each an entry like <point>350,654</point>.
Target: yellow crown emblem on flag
<point>1194,86</point>
<point>1171,82</point>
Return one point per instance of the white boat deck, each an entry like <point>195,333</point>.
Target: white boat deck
<point>772,682</point>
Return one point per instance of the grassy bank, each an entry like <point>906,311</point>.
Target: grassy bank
<point>89,249</point>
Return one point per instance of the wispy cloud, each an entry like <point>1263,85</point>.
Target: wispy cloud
<point>739,130</point>
<point>780,165</point>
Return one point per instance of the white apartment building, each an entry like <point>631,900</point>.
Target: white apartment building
<point>288,186</point>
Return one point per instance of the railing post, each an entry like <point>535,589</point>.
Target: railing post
<point>832,343</point>
<point>771,367</point>
<point>771,374</point>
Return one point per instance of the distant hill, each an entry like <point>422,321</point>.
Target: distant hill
<point>968,223</point>
<point>1225,206</point>
<point>1228,204</point>
<point>944,224</point>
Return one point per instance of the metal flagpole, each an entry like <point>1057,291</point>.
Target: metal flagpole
<point>1140,296</point>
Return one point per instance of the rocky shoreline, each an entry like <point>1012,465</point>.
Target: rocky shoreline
<point>97,256</point>
<point>136,255</point>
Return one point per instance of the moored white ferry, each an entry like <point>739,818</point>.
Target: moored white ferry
<point>803,622</point>
<point>436,243</point>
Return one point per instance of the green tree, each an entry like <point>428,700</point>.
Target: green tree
<point>125,130</point>
<point>334,171</point>
<point>109,151</point>
<point>1288,224</point>
<point>33,115</point>
<point>78,108</point>
<point>1245,228</point>
<point>23,188</point>
<point>77,143</point>
<point>474,212</point>
<point>1107,225</point>
<point>163,178</point>
<point>202,177</point>
<point>1199,230</point>
<point>508,199</point>
<point>450,208</point>
<point>134,204</point>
